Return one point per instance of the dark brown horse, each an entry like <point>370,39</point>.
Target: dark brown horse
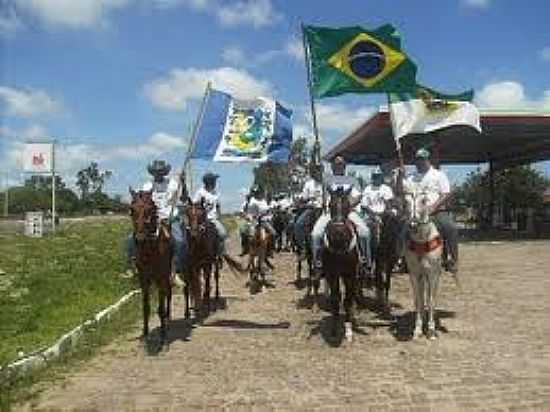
<point>281,219</point>
<point>203,258</point>
<point>341,258</point>
<point>153,258</point>
<point>386,254</point>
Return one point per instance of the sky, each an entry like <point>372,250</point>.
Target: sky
<point>120,81</point>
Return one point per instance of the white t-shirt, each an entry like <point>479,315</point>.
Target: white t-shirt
<point>211,202</point>
<point>255,208</point>
<point>313,192</point>
<point>434,183</point>
<point>163,195</point>
<point>285,203</point>
<point>375,197</point>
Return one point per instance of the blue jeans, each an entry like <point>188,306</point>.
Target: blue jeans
<point>222,234</point>
<point>300,227</point>
<point>179,245</point>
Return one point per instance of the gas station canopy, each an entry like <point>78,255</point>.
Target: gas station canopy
<point>508,139</point>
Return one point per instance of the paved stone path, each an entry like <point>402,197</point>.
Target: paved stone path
<point>269,352</point>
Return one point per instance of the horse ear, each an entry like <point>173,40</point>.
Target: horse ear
<point>132,192</point>
<point>202,202</point>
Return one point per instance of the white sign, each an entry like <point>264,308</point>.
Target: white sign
<point>37,158</point>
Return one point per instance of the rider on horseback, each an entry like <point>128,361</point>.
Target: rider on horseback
<point>164,191</point>
<point>340,180</point>
<point>375,200</point>
<point>436,184</point>
<point>254,207</point>
<point>312,198</point>
<point>211,198</point>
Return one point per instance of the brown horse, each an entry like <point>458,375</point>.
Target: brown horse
<point>260,243</point>
<point>386,254</point>
<point>153,258</point>
<point>340,258</point>
<point>204,256</point>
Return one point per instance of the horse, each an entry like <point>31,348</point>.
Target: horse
<point>260,242</point>
<point>281,219</point>
<point>153,258</point>
<point>386,253</point>
<point>340,258</point>
<point>313,282</point>
<point>204,257</point>
<point>423,254</point>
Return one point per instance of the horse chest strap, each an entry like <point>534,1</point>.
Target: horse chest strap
<point>422,248</point>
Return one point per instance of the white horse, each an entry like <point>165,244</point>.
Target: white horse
<point>423,252</point>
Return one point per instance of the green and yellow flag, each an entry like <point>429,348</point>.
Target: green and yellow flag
<point>356,60</point>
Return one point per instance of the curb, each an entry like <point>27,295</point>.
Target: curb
<point>64,344</point>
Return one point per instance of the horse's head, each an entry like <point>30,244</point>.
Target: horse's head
<point>340,205</point>
<point>418,211</point>
<point>195,214</point>
<point>143,212</point>
<point>339,233</point>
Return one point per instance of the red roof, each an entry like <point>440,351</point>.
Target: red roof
<point>507,139</point>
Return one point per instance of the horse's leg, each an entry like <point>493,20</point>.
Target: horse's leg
<point>145,296</point>
<point>207,270</point>
<point>415,288</point>
<point>186,293</point>
<point>350,293</point>
<point>334,282</point>
<point>217,278</point>
<point>433,284</point>
<point>162,313</point>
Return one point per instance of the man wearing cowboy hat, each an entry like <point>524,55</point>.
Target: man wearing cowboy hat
<point>436,184</point>
<point>164,191</point>
<point>211,198</point>
<point>332,182</point>
<point>254,207</point>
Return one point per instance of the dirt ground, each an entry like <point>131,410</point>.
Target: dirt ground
<point>269,351</point>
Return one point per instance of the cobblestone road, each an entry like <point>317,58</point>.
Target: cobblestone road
<point>268,352</point>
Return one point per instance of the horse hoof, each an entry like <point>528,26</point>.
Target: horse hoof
<point>432,335</point>
<point>417,333</point>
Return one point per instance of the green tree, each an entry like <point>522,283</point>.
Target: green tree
<point>91,180</point>
<point>275,177</point>
<point>514,188</point>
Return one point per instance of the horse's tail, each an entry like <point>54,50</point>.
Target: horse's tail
<point>233,264</point>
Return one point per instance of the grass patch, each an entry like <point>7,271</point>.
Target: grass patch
<point>52,284</point>
<point>27,388</point>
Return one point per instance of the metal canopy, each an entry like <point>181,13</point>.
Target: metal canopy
<point>508,138</point>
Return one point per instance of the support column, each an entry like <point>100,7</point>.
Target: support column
<point>492,222</point>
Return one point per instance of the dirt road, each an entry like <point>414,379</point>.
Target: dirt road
<point>269,352</point>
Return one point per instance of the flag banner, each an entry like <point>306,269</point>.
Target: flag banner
<point>233,130</point>
<point>357,60</point>
<point>427,110</point>
<point>37,157</point>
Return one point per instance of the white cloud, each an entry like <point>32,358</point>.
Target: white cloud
<point>258,13</point>
<point>71,13</point>
<point>510,95</point>
<point>480,4</point>
<point>545,54</point>
<point>340,118</point>
<point>9,21</point>
<point>181,85</point>
<point>28,103</point>
<point>295,48</point>
<point>234,55</point>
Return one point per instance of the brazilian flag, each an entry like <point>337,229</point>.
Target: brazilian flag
<point>356,60</point>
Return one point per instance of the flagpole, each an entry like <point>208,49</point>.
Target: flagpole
<point>187,162</point>
<point>317,144</point>
<point>53,186</point>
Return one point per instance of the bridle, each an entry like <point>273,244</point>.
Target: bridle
<point>143,212</point>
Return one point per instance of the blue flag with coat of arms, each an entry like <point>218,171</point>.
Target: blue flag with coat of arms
<point>234,130</point>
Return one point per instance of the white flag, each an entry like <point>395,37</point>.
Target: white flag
<point>37,157</point>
